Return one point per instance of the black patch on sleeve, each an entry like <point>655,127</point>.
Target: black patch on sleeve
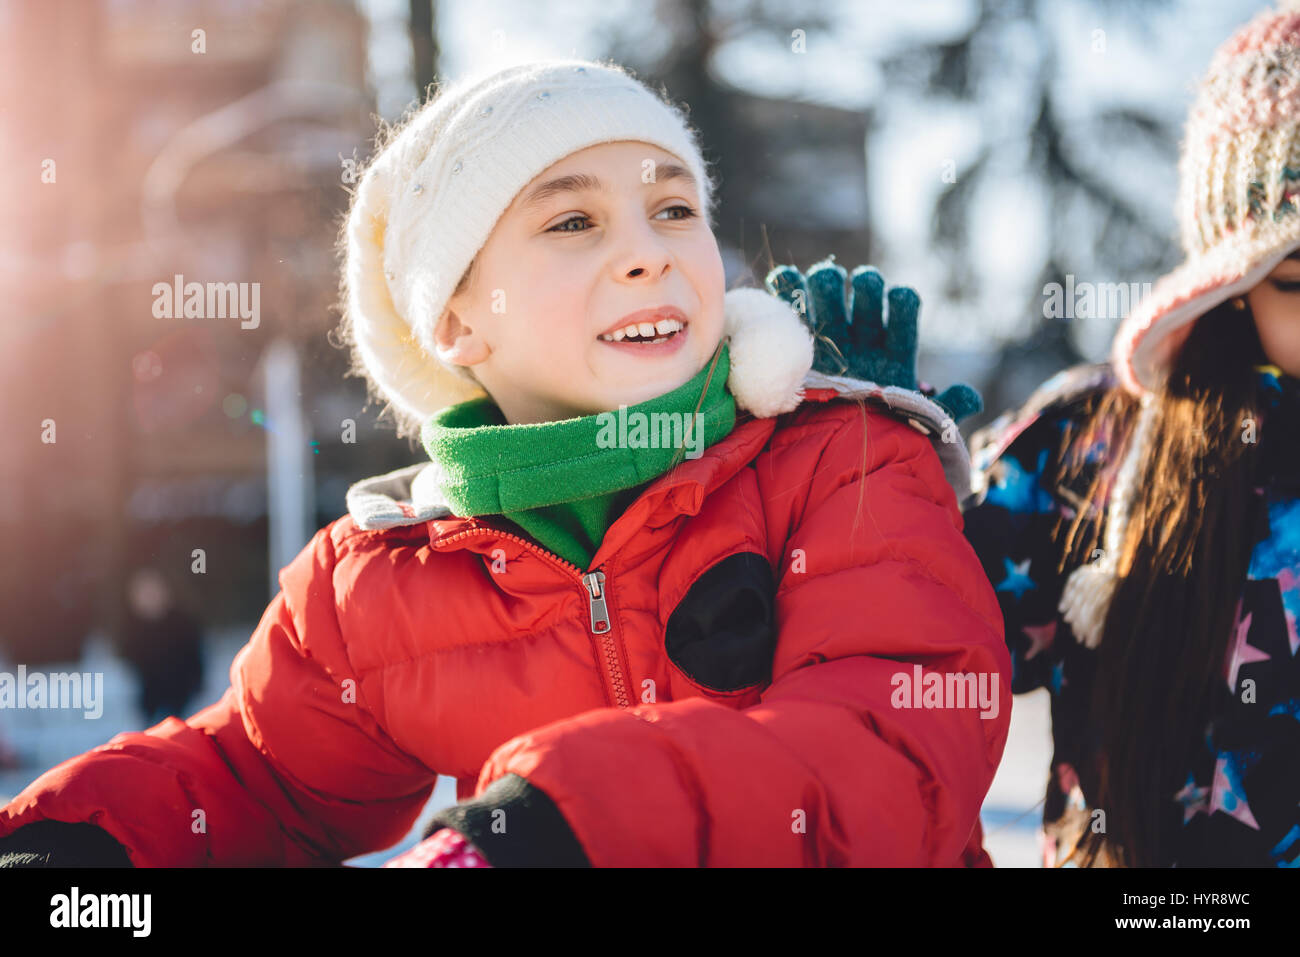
<point>722,635</point>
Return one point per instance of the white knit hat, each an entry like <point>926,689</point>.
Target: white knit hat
<point>430,198</point>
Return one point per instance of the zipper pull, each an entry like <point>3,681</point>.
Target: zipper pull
<point>595,582</point>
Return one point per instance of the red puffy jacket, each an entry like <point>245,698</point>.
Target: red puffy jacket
<point>725,695</point>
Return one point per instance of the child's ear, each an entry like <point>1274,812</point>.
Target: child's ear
<point>457,343</point>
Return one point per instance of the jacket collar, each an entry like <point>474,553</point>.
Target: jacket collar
<point>410,496</point>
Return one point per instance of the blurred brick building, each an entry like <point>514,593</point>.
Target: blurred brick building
<point>147,140</point>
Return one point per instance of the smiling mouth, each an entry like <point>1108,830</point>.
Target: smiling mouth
<point>649,333</point>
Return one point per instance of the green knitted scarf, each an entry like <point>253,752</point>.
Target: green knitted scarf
<point>566,482</point>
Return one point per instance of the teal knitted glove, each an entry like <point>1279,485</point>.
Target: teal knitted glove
<point>851,336</point>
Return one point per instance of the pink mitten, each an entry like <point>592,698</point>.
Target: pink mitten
<point>444,848</point>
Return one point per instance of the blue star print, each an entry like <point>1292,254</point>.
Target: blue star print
<point>1018,490</point>
<point>1281,550</point>
<point>1017,578</point>
<point>1291,707</point>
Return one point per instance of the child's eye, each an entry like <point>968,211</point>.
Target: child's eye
<point>687,213</point>
<point>573,219</point>
<point>1286,285</point>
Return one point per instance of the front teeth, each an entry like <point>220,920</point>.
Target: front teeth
<point>645,330</point>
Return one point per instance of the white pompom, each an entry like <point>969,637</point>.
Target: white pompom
<point>1085,601</point>
<point>771,352</point>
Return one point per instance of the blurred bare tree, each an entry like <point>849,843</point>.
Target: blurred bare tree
<point>424,44</point>
<point>1068,157</point>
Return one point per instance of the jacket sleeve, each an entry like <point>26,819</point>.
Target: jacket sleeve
<point>287,768</point>
<point>825,770</point>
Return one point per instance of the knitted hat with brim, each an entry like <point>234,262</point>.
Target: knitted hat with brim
<point>1239,215</point>
<point>1238,197</point>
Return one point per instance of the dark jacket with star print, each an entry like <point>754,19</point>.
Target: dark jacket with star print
<point>1241,801</point>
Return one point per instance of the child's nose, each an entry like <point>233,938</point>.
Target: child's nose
<point>645,259</point>
<point>642,271</point>
<point>641,251</point>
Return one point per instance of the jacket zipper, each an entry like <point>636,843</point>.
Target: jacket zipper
<point>594,589</point>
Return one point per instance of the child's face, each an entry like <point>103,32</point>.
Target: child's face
<point>557,273</point>
<point>1275,303</point>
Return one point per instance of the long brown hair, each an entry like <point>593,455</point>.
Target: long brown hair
<point>1183,556</point>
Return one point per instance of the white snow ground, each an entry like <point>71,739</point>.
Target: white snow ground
<point>44,738</point>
